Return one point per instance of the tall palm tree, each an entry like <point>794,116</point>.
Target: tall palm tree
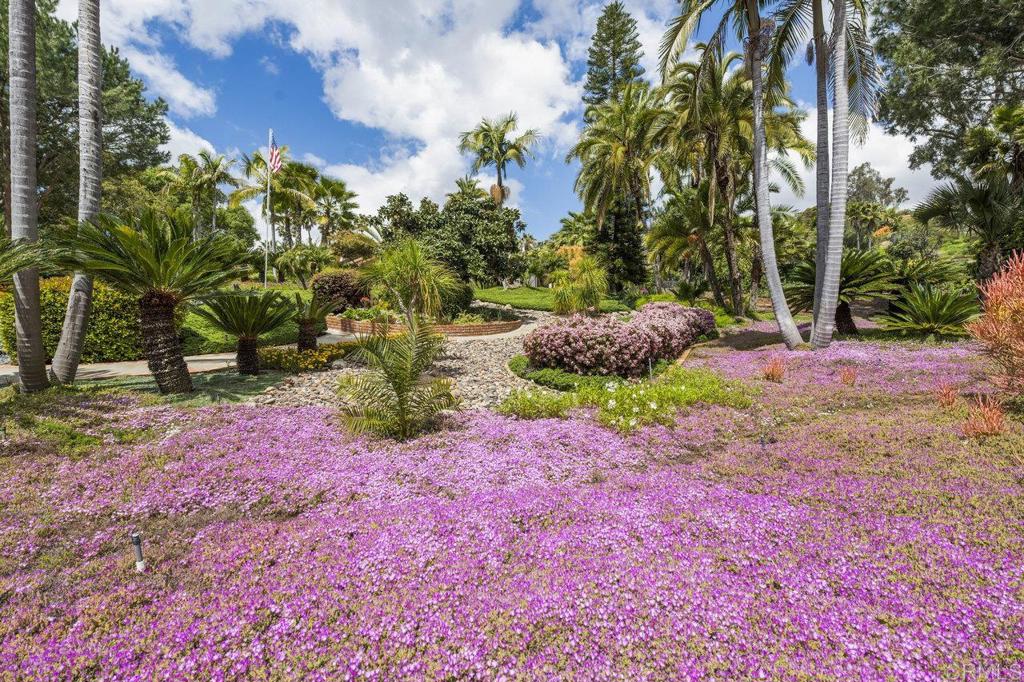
<point>90,176</point>
<point>577,229</point>
<point>492,144</point>
<point>617,151</point>
<point>215,172</point>
<point>985,206</point>
<point>256,171</point>
<point>297,207</point>
<point>24,189</point>
<point>336,207</point>
<point>160,261</point>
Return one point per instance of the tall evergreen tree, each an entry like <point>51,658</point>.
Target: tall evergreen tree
<point>614,57</point>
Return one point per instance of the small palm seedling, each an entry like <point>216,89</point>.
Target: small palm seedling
<point>16,256</point>
<point>927,311</point>
<point>393,399</point>
<point>865,275</point>
<point>774,370</point>
<point>985,418</point>
<point>309,315</point>
<point>246,316</point>
<point>156,259</point>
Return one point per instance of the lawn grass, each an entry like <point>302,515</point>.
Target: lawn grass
<point>227,386</point>
<point>534,298</point>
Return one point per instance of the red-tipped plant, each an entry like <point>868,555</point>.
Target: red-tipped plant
<point>1000,329</point>
<point>848,376</point>
<point>774,370</point>
<point>947,395</point>
<point>985,418</point>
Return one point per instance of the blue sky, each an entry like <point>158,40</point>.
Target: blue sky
<point>376,91</point>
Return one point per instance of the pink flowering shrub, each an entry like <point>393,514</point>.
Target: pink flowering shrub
<point>611,345</point>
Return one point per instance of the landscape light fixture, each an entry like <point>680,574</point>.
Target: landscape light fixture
<point>140,563</point>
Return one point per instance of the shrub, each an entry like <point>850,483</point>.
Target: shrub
<point>304,261</point>
<point>336,284</point>
<point>580,288</point>
<point>296,361</point>
<point>456,301</point>
<point>985,418</point>
<point>848,376</point>
<point>1001,327</point>
<point>924,310</point>
<point>555,378</point>
<point>537,404</point>
<point>774,370</point>
<point>946,395</point>
<point>113,334</point>
<point>609,345</point>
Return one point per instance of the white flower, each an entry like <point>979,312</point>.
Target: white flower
<point>611,404</point>
<point>654,405</point>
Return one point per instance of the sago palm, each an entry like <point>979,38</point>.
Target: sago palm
<point>157,260</point>
<point>492,143</point>
<point>309,315</point>
<point>393,399</point>
<point>247,316</point>
<point>926,310</point>
<point>16,256</point>
<point>866,275</point>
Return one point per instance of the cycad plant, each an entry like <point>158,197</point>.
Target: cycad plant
<point>411,280</point>
<point>580,288</point>
<point>15,256</point>
<point>865,275</point>
<point>247,316</point>
<point>309,315</point>
<point>929,311</point>
<point>393,399</point>
<point>156,259</point>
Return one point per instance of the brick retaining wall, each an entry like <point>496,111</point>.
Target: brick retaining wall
<point>343,325</point>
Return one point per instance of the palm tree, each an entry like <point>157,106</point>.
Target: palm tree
<point>298,207</point>
<point>984,206</point>
<point>580,288</point>
<point>256,172</point>
<point>90,176</point>
<point>411,279</point>
<point>24,190</point>
<point>392,399</point>
<point>214,173</point>
<point>159,260</point>
<point>336,207</point>
<point>491,144</point>
<point>469,187</point>
<point>577,229</point>
<point>247,316</point>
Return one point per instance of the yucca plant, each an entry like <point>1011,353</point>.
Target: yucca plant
<point>393,399</point>
<point>247,316</point>
<point>580,288</point>
<point>156,259</point>
<point>924,310</point>
<point>309,315</point>
<point>865,275</point>
<point>16,256</point>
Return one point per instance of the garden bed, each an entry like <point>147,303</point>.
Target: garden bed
<point>342,325</point>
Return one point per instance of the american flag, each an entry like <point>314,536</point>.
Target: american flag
<point>275,155</point>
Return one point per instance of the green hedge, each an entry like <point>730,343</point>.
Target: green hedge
<point>113,332</point>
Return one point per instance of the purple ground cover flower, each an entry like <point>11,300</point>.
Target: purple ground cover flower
<point>778,543</point>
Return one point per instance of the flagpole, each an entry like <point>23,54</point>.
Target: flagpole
<point>270,215</point>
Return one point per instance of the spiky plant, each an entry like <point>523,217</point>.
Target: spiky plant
<point>865,275</point>
<point>157,260</point>
<point>15,256</point>
<point>309,315</point>
<point>393,399</point>
<point>411,280</point>
<point>580,288</point>
<point>247,316</point>
<point>922,309</point>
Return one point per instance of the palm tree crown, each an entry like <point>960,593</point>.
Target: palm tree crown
<point>492,144</point>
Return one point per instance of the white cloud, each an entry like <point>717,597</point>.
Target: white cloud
<point>887,153</point>
<point>184,141</point>
<point>269,65</point>
<point>184,97</point>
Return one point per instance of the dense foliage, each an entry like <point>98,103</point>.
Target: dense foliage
<point>924,310</point>
<point>342,285</point>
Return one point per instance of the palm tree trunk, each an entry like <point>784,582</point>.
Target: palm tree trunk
<point>709,273</point>
<point>988,261</point>
<point>756,272</point>
<point>90,169</point>
<point>732,260</point>
<point>307,335</point>
<point>844,320</point>
<point>821,153</point>
<point>247,358</point>
<point>24,206</point>
<point>824,323</point>
<point>161,344</point>
<point>783,316</point>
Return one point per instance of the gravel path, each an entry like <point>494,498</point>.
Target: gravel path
<point>478,366</point>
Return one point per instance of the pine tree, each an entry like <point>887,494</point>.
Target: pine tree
<point>614,57</point>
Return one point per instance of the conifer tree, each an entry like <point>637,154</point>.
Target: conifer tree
<point>614,56</point>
